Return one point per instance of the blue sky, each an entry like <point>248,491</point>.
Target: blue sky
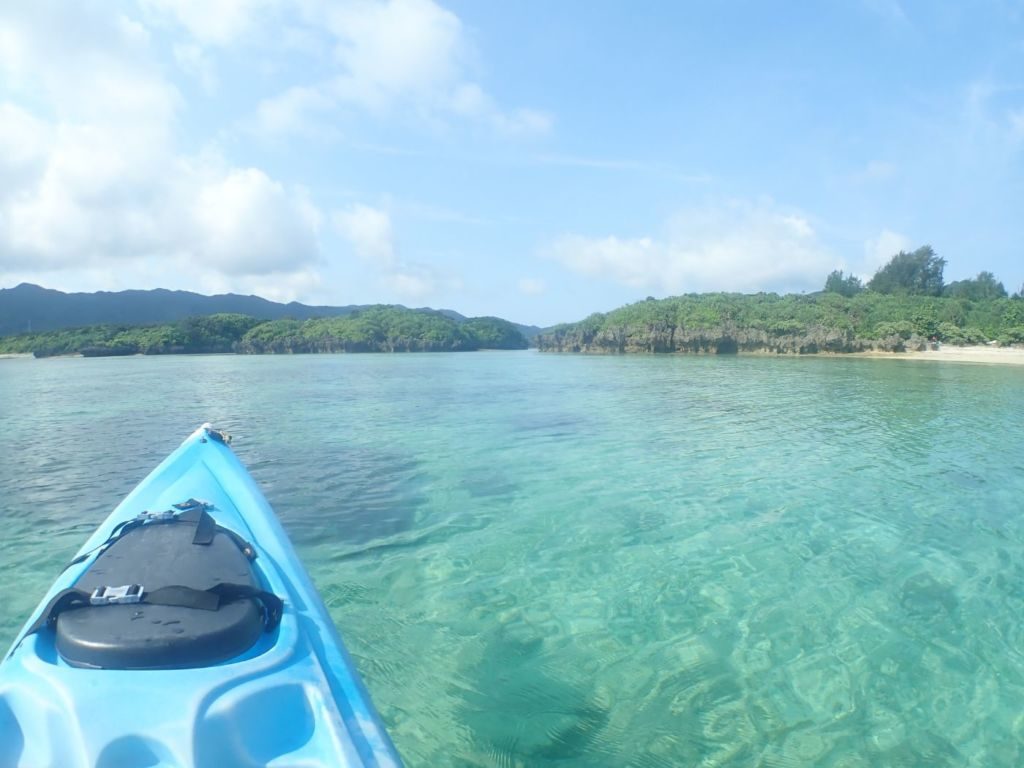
<point>534,160</point>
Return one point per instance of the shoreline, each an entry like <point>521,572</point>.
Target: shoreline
<point>978,353</point>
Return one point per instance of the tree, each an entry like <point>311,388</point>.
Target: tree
<point>495,333</point>
<point>919,273</point>
<point>984,286</point>
<point>849,285</point>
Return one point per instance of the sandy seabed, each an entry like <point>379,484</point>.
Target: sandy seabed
<point>981,353</point>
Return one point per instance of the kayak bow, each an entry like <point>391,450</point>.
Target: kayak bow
<point>186,633</point>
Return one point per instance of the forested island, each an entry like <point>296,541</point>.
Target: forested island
<point>375,329</point>
<point>905,306</point>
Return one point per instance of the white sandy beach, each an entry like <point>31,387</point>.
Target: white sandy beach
<point>980,353</point>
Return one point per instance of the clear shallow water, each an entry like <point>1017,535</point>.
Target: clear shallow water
<point>559,560</point>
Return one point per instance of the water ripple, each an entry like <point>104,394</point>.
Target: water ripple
<point>652,561</point>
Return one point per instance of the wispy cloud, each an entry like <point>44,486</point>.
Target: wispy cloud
<point>737,246</point>
<point>218,23</point>
<point>994,111</point>
<point>389,55</point>
<point>1017,124</point>
<point>879,249</point>
<point>891,11</point>
<point>195,62</point>
<point>623,166</point>
<point>532,286</point>
<point>875,170</point>
<point>370,233</point>
<point>298,111</point>
<point>430,212</point>
<point>469,100</point>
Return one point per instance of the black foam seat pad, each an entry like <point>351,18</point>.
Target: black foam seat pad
<point>143,636</point>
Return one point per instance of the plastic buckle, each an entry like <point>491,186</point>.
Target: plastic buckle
<point>129,593</point>
<point>151,517</point>
<point>188,506</point>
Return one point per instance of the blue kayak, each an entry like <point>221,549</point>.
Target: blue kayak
<point>186,633</point>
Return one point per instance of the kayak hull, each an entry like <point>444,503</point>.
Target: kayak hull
<point>292,699</point>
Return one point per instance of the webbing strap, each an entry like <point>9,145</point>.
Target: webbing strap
<point>119,530</point>
<point>182,597</point>
<point>192,511</point>
<point>64,600</point>
<point>206,526</point>
<point>213,598</point>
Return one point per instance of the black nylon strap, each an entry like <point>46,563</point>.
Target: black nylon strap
<point>193,512</point>
<point>213,598</point>
<point>206,526</point>
<point>64,600</point>
<point>119,530</point>
<point>182,597</point>
<point>272,604</point>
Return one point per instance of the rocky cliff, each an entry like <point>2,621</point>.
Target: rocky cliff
<point>720,340</point>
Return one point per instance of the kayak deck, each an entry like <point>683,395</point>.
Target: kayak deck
<point>294,698</point>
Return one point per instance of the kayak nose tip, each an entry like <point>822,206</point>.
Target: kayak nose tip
<point>218,435</point>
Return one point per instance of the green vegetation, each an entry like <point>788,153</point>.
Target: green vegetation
<point>376,329</point>
<point>495,333</point>
<point>906,304</point>
<point>984,286</point>
<point>849,285</point>
<point>917,273</point>
<point>769,322</point>
<point>868,315</point>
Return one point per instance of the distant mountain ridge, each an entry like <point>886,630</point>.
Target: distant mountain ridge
<point>31,308</point>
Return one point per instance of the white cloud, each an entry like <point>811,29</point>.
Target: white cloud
<point>211,23</point>
<point>89,205</point>
<point>24,143</point>
<point>622,165</point>
<point>993,117</point>
<point>394,48</point>
<point>91,180</point>
<point>299,111</point>
<point>532,286</point>
<point>469,100</point>
<point>888,10</point>
<point>390,54</point>
<point>276,287</point>
<point>412,285</point>
<point>431,212</point>
<point>878,250</point>
<point>194,61</point>
<point>876,170</point>
<point>86,65</point>
<point>209,26</point>
<point>369,232</point>
<point>96,191</point>
<point>741,246</point>
<point>634,262</point>
<point>250,225</point>
<point>1017,124</point>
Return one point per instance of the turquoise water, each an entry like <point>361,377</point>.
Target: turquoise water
<point>559,560</point>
